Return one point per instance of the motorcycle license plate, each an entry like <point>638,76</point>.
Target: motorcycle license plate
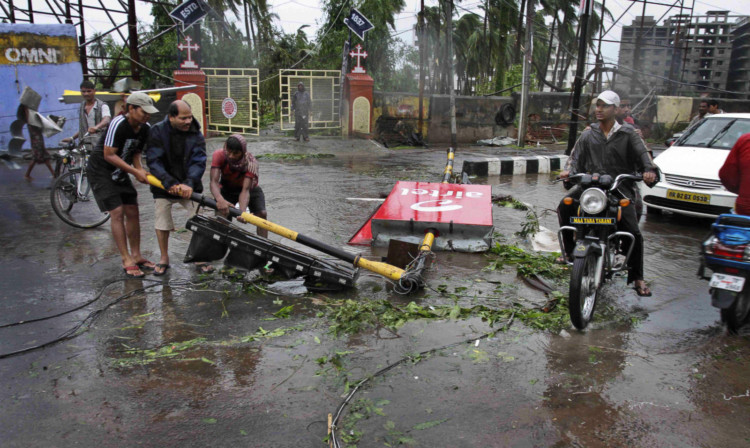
<point>591,220</point>
<point>728,282</point>
<point>697,198</point>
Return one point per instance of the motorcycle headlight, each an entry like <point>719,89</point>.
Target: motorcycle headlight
<point>593,201</point>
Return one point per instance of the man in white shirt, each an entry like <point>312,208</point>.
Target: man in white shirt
<point>93,116</point>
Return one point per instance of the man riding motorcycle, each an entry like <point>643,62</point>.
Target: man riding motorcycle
<point>611,148</point>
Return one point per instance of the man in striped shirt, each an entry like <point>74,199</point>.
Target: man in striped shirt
<point>117,154</point>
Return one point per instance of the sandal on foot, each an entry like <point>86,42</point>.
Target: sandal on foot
<point>163,266</point>
<point>205,268</point>
<point>145,264</point>
<point>643,291</point>
<point>130,272</point>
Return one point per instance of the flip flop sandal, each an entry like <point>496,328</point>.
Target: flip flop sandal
<point>129,269</point>
<point>146,264</point>
<point>642,292</point>
<point>160,266</point>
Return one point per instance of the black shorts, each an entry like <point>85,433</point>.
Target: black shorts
<point>110,194</point>
<point>112,202</point>
<point>257,200</point>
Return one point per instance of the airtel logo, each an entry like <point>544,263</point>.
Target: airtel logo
<point>440,206</point>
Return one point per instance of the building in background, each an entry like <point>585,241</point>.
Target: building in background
<point>739,66</point>
<point>689,49</point>
<point>556,71</point>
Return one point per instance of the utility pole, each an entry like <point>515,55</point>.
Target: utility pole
<point>578,83</point>
<point>82,41</point>
<point>523,121</point>
<point>452,90</point>
<point>422,42</point>
<point>133,41</point>
<point>68,19</point>
<point>599,59</point>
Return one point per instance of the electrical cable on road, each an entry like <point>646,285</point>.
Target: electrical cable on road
<point>334,441</point>
<point>86,323</point>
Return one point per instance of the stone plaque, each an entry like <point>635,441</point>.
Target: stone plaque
<point>361,115</point>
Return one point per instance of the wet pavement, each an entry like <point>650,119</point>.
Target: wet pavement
<point>214,367</point>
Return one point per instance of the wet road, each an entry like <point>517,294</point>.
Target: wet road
<point>653,371</point>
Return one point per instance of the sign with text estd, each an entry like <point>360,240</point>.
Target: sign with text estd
<point>358,23</point>
<point>188,13</point>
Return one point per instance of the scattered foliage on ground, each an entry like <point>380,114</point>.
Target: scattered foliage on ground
<point>527,263</point>
<point>179,350</point>
<point>289,156</point>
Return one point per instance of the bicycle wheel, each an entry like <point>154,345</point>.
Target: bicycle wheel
<point>583,290</point>
<point>73,201</point>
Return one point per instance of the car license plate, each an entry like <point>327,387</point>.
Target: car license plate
<point>591,220</point>
<point>686,196</point>
<point>728,282</point>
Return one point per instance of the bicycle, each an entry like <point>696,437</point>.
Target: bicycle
<point>65,159</point>
<point>71,196</point>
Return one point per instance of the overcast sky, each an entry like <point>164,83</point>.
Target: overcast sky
<point>296,13</point>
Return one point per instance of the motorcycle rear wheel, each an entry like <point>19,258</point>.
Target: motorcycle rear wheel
<point>583,290</point>
<point>738,314</point>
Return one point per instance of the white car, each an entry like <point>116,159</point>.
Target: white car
<point>690,182</point>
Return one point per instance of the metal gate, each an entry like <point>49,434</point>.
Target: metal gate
<point>232,100</point>
<point>324,87</point>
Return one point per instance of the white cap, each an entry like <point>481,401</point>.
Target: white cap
<point>609,97</point>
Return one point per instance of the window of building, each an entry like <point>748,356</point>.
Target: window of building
<point>719,62</point>
<point>717,74</point>
<point>721,51</point>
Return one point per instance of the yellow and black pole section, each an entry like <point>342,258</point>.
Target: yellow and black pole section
<point>448,172</point>
<point>431,234</point>
<point>384,269</point>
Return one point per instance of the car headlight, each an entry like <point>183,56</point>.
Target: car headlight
<point>593,201</point>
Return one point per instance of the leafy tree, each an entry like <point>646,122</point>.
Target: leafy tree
<point>381,61</point>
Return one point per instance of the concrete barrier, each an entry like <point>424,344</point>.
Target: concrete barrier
<point>513,165</point>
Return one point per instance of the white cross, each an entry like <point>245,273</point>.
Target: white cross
<point>358,54</point>
<point>189,63</point>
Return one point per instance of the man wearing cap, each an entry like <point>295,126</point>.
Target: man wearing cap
<point>177,157</point>
<point>117,154</point>
<point>612,148</point>
<point>93,115</point>
<point>301,103</point>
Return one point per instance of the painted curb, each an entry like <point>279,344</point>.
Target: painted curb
<point>513,165</point>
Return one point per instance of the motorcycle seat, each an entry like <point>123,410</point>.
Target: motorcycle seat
<point>734,220</point>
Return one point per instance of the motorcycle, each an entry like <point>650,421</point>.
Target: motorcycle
<point>726,252</point>
<point>600,249</point>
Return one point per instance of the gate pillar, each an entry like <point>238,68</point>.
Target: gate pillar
<point>196,97</point>
<point>358,106</point>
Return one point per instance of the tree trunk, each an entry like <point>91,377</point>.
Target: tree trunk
<point>517,54</point>
<point>549,53</point>
<point>246,9</point>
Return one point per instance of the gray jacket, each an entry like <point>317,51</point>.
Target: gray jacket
<point>623,153</point>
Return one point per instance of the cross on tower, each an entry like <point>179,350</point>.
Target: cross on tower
<point>189,63</point>
<point>358,54</point>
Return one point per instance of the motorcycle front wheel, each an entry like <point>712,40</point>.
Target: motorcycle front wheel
<point>737,315</point>
<point>583,290</point>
